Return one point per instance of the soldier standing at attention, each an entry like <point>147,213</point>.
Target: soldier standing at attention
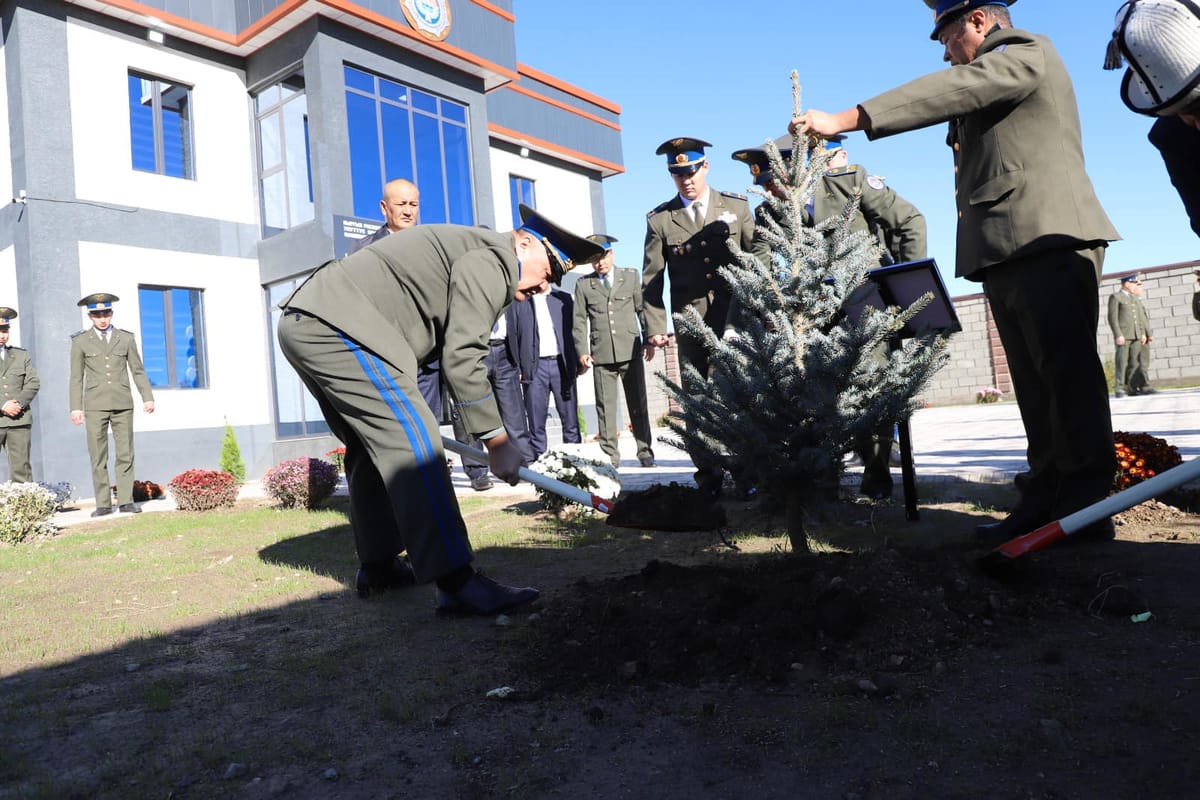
<point>1125,322</point>
<point>609,301</point>
<point>18,385</point>
<point>102,359</point>
<point>687,239</point>
<point>1030,228</point>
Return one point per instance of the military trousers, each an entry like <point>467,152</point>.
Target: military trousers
<point>401,498</point>
<point>714,310</point>
<point>1046,309</point>
<point>97,425</point>
<point>1122,366</point>
<point>1137,376</point>
<point>631,376</point>
<point>17,440</point>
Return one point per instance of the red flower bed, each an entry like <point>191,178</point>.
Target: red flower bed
<point>1141,456</point>
<point>203,490</point>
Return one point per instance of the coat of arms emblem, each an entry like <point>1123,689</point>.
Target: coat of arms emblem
<point>430,17</point>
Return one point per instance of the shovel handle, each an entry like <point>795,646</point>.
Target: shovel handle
<point>1122,500</point>
<point>573,493</point>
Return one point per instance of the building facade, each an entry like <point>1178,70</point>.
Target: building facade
<point>199,158</point>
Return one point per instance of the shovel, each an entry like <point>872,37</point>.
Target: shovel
<point>1073,523</point>
<point>573,493</point>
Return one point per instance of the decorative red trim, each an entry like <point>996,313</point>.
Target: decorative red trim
<point>558,104</point>
<point>542,144</point>
<point>563,86</point>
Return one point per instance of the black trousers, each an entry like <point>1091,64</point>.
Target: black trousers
<point>1046,308</point>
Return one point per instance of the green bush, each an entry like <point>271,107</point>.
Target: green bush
<point>203,490</point>
<point>301,482</point>
<point>231,455</point>
<point>25,512</point>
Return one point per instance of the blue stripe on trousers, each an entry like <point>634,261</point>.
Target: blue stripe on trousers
<point>429,467</point>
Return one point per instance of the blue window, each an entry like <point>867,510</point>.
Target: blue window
<point>173,337</point>
<point>160,126</point>
<point>396,131</point>
<point>296,410</point>
<point>284,174</point>
<point>520,190</point>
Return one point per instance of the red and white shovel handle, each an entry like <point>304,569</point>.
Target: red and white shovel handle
<point>1073,523</point>
<point>573,493</point>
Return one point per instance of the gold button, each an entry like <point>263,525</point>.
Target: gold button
<point>960,215</point>
<point>708,275</point>
<point>956,147</point>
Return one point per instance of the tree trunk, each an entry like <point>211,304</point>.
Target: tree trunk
<point>795,513</point>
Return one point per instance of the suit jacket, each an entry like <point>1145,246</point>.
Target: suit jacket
<point>418,293</point>
<point>616,318</point>
<point>379,233</point>
<point>528,337</point>
<point>880,211</point>
<point>691,256</point>
<point>1018,151</point>
<point>18,381</point>
<point>1178,144</point>
<point>100,372</point>
<point>1125,318</point>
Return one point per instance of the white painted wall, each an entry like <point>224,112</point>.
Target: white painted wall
<point>563,196</point>
<point>235,332</point>
<point>8,286</point>
<point>99,63</point>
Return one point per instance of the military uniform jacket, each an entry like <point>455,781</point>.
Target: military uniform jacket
<point>419,292</point>
<point>615,318</point>
<point>1126,317</point>
<point>100,372</point>
<point>879,209</point>
<point>691,256</point>
<point>18,381</point>
<point>1018,153</point>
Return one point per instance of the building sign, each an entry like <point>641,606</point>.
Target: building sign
<point>348,230</point>
<point>430,17</point>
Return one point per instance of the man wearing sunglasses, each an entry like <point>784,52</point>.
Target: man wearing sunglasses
<point>102,360</point>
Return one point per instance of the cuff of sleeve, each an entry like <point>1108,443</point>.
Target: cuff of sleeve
<point>492,434</point>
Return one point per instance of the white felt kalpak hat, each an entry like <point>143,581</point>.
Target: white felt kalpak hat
<point>1161,41</point>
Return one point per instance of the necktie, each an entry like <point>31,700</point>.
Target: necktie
<point>608,281</point>
<point>698,211</point>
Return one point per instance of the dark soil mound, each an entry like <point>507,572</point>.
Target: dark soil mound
<point>773,617</point>
<point>670,507</point>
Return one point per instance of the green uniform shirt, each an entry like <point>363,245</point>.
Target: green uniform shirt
<point>18,381</point>
<point>100,371</point>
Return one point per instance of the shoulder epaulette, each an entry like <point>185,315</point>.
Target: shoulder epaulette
<point>734,195</point>
<point>849,169</point>
<point>14,347</point>
<point>657,209</point>
<point>122,330</point>
<point>80,333</point>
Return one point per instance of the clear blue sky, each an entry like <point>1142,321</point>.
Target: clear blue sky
<point>643,54</point>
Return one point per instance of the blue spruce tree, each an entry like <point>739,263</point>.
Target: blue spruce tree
<point>804,369</point>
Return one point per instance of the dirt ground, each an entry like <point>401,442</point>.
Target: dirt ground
<point>684,665</point>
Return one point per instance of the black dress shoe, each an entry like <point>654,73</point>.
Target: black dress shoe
<point>376,578</point>
<point>102,511</point>
<point>481,483</point>
<point>483,596</point>
<point>647,462</point>
<point>1147,390</point>
<point>129,508</point>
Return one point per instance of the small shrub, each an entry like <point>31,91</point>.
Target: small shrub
<point>988,395</point>
<point>231,455</point>
<point>63,492</point>
<point>25,511</point>
<point>1141,456</point>
<point>203,490</point>
<point>301,482</point>
<point>337,457</point>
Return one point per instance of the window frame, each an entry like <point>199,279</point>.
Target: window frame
<point>158,128</point>
<point>308,428</point>
<point>277,109</point>
<point>199,336</point>
<point>516,195</point>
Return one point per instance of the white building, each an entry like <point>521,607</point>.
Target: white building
<point>197,159</point>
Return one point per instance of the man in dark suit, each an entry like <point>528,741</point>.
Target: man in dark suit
<point>548,365</point>
<point>1030,228</point>
<point>19,384</point>
<point>609,302</point>
<point>687,239</point>
<point>102,360</point>
<point>355,332</point>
